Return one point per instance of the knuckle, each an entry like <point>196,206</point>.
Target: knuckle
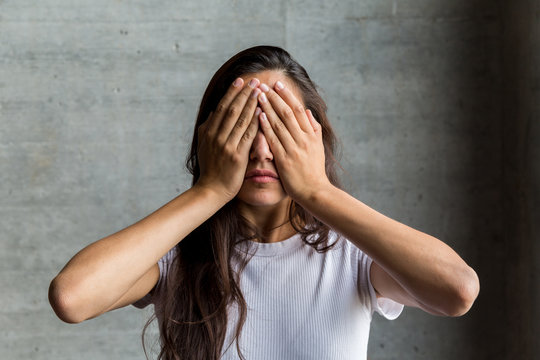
<point>233,111</point>
<point>299,108</point>
<point>220,144</point>
<point>220,108</point>
<point>229,151</point>
<point>242,119</point>
<point>272,141</point>
<point>288,113</point>
<point>248,135</point>
<point>209,133</point>
<point>280,126</point>
<point>235,157</point>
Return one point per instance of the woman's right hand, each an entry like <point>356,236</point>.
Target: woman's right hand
<point>121,268</point>
<point>225,139</point>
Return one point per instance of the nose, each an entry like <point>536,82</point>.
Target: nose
<point>260,150</point>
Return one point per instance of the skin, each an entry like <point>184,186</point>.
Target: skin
<point>266,205</point>
<point>409,266</point>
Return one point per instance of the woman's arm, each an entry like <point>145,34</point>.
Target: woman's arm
<point>423,271</point>
<point>100,275</point>
<point>121,268</point>
<point>411,267</point>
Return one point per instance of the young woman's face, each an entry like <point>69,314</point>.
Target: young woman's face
<point>263,190</point>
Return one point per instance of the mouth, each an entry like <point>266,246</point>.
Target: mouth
<point>262,176</point>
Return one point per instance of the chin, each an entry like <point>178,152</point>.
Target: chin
<point>261,197</point>
<point>260,200</point>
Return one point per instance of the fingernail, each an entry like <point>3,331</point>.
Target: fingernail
<point>253,83</point>
<point>238,82</point>
<point>262,98</point>
<point>257,111</point>
<point>255,93</point>
<point>279,85</point>
<point>264,87</point>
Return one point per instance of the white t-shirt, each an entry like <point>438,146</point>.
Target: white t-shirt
<point>301,304</point>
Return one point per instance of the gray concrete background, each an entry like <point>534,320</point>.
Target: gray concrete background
<point>436,104</point>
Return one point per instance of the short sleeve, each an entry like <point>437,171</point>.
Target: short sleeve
<point>164,264</point>
<point>387,308</point>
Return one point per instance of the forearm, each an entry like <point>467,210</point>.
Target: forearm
<point>97,276</point>
<point>421,268</point>
<point>428,269</point>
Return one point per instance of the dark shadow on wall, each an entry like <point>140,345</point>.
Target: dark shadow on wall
<point>495,182</point>
<point>503,193</point>
<point>462,176</point>
<point>503,136</point>
<point>481,124</point>
<point>520,43</point>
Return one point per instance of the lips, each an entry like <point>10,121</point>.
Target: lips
<point>261,172</point>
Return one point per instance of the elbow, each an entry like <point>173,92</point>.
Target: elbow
<point>62,302</point>
<point>465,294</point>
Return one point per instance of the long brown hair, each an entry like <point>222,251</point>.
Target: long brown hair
<point>203,278</point>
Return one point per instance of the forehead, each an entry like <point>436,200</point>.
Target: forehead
<point>270,77</point>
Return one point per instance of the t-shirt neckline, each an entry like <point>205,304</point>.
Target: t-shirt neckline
<point>272,249</point>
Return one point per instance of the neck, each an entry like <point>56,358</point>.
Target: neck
<point>272,221</point>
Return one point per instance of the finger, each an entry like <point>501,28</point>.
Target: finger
<point>278,107</point>
<point>295,104</point>
<point>275,144</point>
<point>203,128</point>
<point>244,120</point>
<point>237,114</point>
<point>246,140</point>
<point>314,123</point>
<point>278,126</point>
<point>223,105</point>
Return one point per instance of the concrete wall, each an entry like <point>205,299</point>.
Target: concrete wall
<point>436,104</point>
<point>521,180</point>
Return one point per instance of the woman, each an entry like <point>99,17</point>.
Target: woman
<point>255,240</point>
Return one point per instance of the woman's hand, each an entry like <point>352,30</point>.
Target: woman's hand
<point>295,139</point>
<point>224,140</point>
<point>411,267</point>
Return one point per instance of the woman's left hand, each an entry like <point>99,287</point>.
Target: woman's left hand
<point>295,139</point>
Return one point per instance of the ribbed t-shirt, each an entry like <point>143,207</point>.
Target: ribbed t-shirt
<point>301,304</point>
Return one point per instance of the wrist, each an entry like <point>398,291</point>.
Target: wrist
<point>214,193</point>
<point>314,195</point>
